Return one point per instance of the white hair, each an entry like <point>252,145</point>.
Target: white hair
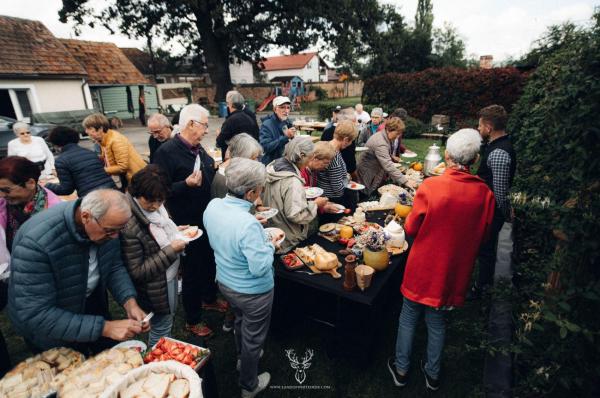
<point>242,175</point>
<point>235,99</point>
<point>192,112</point>
<point>99,201</point>
<point>243,145</point>
<point>346,114</point>
<point>159,118</point>
<point>357,106</point>
<point>298,149</point>
<point>18,126</point>
<point>464,146</point>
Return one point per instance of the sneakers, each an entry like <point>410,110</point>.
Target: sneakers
<point>430,382</point>
<point>199,329</point>
<point>218,305</point>
<point>399,380</point>
<point>238,364</point>
<point>263,382</point>
<point>228,322</point>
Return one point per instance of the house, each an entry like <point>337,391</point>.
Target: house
<point>37,73</point>
<point>114,81</point>
<point>309,67</point>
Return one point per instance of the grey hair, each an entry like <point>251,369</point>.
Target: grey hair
<point>463,146</point>
<point>18,126</point>
<point>377,112</point>
<point>298,149</point>
<point>243,145</point>
<point>235,99</point>
<point>242,175</point>
<point>159,118</point>
<point>99,201</point>
<point>192,112</point>
<point>346,114</point>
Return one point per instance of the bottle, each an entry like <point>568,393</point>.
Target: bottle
<point>349,273</point>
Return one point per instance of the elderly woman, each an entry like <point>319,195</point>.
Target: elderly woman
<point>78,169</point>
<point>151,245</point>
<point>121,160</point>
<point>32,148</point>
<point>244,259</point>
<point>240,146</point>
<point>376,164</point>
<point>334,179</point>
<point>285,191</point>
<point>451,217</point>
<point>320,159</point>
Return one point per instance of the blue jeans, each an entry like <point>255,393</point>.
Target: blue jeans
<point>162,324</point>
<point>436,332</point>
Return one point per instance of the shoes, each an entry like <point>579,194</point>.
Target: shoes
<point>199,329</point>
<point>238,364</point>
<point>228,322</point>
<point>218,305</point>
<point>430,382</point>
<point>399,380</point>
<point>263,382</point>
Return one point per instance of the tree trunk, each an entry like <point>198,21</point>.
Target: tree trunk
<point>216,55</point>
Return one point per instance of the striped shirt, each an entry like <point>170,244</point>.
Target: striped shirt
<point>334,179</point>
<point>499,163</point>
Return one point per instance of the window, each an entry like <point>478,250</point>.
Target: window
<point>23,100</point>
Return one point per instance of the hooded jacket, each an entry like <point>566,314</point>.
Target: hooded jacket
<point>285,191</point>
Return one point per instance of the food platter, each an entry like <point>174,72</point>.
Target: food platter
<point>268,213</point>
<point>191,233</point>
<point>291,261</point>
<point>355,186</point>
<point>313,192</point>
<point>409,155</point>
<point>274,232</point>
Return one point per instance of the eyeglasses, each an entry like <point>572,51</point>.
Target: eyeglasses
<point>110,231</point>
<point>201,123</point>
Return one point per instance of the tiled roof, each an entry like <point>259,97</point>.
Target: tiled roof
<point>139,58</point>
<point>297,61</point>
<point>28,49</point>
<point>105,63</point>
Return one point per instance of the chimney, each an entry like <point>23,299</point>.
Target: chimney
<point>486,61</point>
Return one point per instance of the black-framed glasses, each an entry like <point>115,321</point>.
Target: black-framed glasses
<point>201,123</point>
<point>110,231</point>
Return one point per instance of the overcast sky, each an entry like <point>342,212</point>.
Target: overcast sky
<point>500,28</point>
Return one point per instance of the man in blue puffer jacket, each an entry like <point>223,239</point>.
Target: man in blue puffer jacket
<point>276,130</point>
<point>63,259</point>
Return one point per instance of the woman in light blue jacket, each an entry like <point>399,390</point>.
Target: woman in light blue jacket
<point>244,257</point>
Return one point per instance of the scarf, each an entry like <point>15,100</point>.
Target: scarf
<point>162,228</point>
<point>18,214</point>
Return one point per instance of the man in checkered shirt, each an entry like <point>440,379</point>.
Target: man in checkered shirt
<point>497,169</point>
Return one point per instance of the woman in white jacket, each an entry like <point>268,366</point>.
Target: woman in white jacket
<point>31,148</point>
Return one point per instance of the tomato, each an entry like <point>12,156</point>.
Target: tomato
<point>157,352</point>
<point>194,352</point>
<point>351,242</point>
<point>193,364</point>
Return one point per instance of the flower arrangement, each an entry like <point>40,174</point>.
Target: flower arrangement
<point>405,199</point>
<point>372,239</point>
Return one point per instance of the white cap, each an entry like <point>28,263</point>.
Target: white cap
<point>385,115</point>
<point>281,100</point>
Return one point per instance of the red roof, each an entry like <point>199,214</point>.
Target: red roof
<point>283,62</point>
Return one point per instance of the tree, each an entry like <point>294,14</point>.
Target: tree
<point>448,47</point>
<point>226,30</point>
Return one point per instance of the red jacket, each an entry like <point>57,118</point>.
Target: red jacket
<point>451,217</point>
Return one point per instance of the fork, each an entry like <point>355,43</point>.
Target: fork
<point>306,272</point>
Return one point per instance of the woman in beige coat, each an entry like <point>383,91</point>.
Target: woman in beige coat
<point>376,164</point>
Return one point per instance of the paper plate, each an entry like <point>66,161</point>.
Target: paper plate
<point>132,344</point>
<point>361,148</point>
<point>409,155</point>
<point>187,239</point>
<point>269,232</point>
<point>340,207</point>
<point>313,192</point>
<point>268,213</point>
<point>355,186</point>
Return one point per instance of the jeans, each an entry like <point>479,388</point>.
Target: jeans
<point>252,319</point>
<point>162,324</point>
<point>436,332</point>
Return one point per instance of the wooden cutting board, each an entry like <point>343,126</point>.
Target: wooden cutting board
<point>333,272</point>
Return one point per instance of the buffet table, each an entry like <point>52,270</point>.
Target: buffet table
<point>353,315</point>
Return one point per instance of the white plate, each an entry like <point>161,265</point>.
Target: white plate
<point>268,213</point>
<point>357,187</point>
<point>274,231</point>
<point>185,238</point>
<point>361,149</point>
<point>313,192</point>
<point>409,155</point>
<point>132,344</point>
<point>340,207</point>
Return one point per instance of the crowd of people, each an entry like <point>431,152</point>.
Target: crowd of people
<point>123,233</point>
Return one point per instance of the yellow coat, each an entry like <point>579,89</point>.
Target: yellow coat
<point>119,155</point>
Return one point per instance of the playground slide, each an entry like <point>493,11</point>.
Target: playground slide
<point>265,103</point>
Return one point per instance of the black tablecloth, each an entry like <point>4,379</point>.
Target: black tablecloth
<point>327,283</point>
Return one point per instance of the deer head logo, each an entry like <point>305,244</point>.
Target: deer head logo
<point>300,366</point>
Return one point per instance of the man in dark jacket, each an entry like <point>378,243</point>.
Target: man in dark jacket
<point>191,171</point>
<point>237,122</point>
<point>78,169</point>
<point>63,259</point>
<point>276,130</point>
<point>160,131</point>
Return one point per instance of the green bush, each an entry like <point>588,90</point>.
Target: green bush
<point>320,92</point>
<point>556,132</point>
<point>414,127</point>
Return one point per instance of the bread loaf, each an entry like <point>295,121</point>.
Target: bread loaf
<point>325,261</point>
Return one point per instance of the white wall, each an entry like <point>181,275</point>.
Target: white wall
<point>310,73</point>
<point>52,95</point>
<point>241,73</point>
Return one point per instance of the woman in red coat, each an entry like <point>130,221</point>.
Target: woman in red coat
<point>450,219</point>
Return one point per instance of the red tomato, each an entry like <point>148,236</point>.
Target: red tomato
<point>157,352</point>
<point>193,364</point>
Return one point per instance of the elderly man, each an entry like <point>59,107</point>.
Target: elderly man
<point>244,266</point>
<point>63,259</point>
<point>191,171</point>
<point>362,117</point>
<point>276,130</point>
<point>160,131</point>
<point>237,122</point>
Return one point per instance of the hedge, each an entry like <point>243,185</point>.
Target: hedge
<point>458,93</point>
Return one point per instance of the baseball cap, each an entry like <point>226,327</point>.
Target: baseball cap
<point>278,101</point>
<point>337,108</point>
